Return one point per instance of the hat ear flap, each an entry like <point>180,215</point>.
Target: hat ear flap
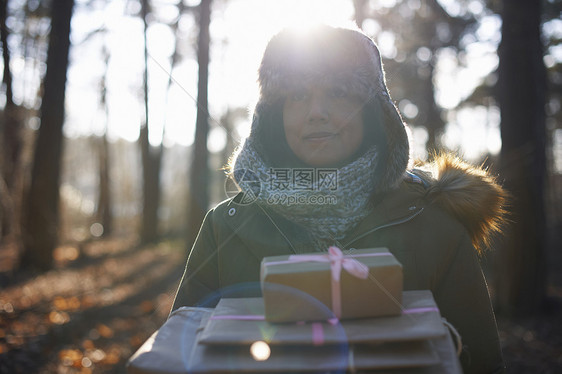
<point>397,145</point>
<point>267,136</point>
<point>396,151</point>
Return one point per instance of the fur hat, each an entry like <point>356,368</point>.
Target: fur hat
<point>344,57</point>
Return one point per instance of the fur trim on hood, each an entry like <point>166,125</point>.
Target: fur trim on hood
<point>469,193</point>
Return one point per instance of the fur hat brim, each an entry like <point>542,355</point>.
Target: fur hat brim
<point>341,56</point>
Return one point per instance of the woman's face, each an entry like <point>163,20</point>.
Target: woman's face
<point>323,125</point>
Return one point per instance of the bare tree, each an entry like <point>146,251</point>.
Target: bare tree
<point>41,216</point>
<point>410,74</point>
<point>521,88</point>
<point>10,135</point>
<point>198,199</point>
<point>359,9</point>
<point>151,156</point>
<point>103,214</point>
<point>228,122</point>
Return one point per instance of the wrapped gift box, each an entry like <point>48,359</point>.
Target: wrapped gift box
<point>241,322</point>
<point>177,348</point>
<point>324,359</point>
<point>302,287</point>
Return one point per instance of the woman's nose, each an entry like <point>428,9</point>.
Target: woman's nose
<point>318,110</point>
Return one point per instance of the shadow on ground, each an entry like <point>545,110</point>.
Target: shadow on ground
<point>106,297</point>
<point>92,312</point>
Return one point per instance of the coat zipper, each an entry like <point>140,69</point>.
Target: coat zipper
<point>394,223</point>
<point>280,231</point>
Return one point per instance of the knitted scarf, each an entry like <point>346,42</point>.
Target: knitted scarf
<point>327,202</point>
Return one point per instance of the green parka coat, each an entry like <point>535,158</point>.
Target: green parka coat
<point>434,219</point>
<point>416,222</point>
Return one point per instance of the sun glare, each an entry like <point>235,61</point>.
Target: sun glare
<point>249,25</point>
<point>270,16</point>
<point>260,351</point>
<point>239,34</point>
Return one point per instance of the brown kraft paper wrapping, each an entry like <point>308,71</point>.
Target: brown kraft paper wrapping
<point>174,349</point>
<point>240,322</point>
<point>295,290</point>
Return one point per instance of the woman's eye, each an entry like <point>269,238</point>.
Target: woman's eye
<point>298,95</point>
<point>338,92</point>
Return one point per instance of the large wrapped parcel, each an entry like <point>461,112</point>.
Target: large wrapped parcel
<point>336,284</point>
<point>235,338</point>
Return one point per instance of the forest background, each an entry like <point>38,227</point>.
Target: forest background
<point>116,118</point>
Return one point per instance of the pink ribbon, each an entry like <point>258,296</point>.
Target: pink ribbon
<point>331,321</point>
<point>317,327</point>
<point>317,333</point>
<point>240,317</point>
<point>420,310</point>
<point>337,260</point>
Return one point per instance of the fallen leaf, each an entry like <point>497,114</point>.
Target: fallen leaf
<point>147,306</point>
<point>96,355</point>
<point>71,357</point>
<point>59,318</point>
<point>105,331</point>
<point>88,344</point>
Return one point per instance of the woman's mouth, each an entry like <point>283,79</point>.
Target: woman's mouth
<point>319,136</point>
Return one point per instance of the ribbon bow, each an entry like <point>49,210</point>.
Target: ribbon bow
<point>337,260</point>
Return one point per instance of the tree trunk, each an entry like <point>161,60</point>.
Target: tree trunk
<point>199,197</point>
<point>6,209</point>
<point>41,219</point>
<point>522,87</point>
<point>433,122</point>
<point>7,78</point>
<point>10,135</point>
<point>227,122</point>
<point>151,159</point>
<point>359,10</point>
<point>104,213</point>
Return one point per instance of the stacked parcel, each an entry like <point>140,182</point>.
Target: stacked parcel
<point>401,331</point>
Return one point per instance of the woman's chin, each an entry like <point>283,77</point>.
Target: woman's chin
<point>325,161</point>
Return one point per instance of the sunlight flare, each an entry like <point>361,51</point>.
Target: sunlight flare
<point>260,351</point>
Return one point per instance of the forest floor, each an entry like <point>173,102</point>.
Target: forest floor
<point>105,298</point>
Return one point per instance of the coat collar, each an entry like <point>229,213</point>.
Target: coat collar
<point>266,233</point>
<point>263,231</point>
<point>391,208</point>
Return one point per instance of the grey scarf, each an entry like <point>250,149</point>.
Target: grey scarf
<point>327,202</point>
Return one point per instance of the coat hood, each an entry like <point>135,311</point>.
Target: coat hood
<point>467,192</point>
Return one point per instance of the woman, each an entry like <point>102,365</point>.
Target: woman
<point>327,163</point>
